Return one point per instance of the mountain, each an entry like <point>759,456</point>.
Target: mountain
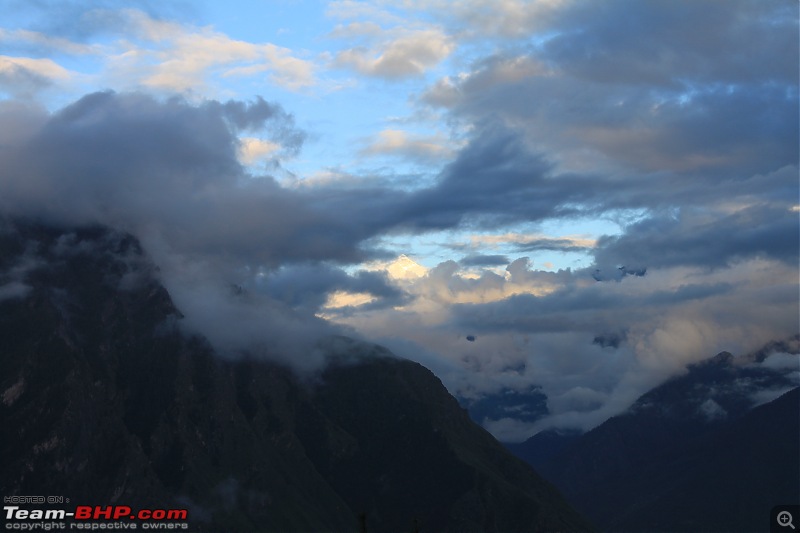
<point>105,400</point>
<point>539,449</point>
<point>711,450</point>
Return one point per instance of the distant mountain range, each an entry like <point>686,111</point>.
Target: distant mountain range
<point>712,450</point>
<point>106,401</point>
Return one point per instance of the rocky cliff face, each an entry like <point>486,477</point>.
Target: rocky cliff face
<point>105,400</point>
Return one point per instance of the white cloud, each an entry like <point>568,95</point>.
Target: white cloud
<point>403,268</point>
<point>782,361</point>
<point>253,151</point>
<point>566,241</point>
<point>412,53</point>
<point>44,68</point>
<point>339,299</point>
<point>418,147</point>
<point>180,58</point>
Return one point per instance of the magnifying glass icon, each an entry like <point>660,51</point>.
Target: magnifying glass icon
<point>785,519</point>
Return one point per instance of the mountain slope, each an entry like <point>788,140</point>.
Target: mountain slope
<point>446,472</point>
<point>110,403</point>
<point>692,454</point>
<point>105,401</point>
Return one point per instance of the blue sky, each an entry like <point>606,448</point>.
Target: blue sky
<point>558,172</point>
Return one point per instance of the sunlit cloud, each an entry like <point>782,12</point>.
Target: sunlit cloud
<point>415,147</point>
<point>253,150</point>
<point>45,68</point>
<point>340,299</point>
<point>178,57</point>
<point>532,241</point>
<point>411,54</point>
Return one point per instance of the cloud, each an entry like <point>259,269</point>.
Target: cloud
<point>399,143</point>
<point>698,237</point>
<point>25,76</point>
<point>42,43</point>
<point>494,177</point>
<point>351,9</point>
<point>178,57</point>
<point>73,18</point>
<point>658,43</point>
<point>410,54</point>
<point>593,347</point>
<point>782,361</point>
<point>311,286</point>
<point>484,260</point>
<point>12,290</point>
<point>640,86</point>
<point>138,49</point>
<point>12,281</point>
<point>168,172</point>
<point>659,138</point>
<point>474,19</point>
<point>254,150</point>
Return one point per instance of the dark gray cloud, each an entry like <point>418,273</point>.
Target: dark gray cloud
<point>22,82</point>
<point>664,43</point>
<point>484,260</point>
<point>132,161</point>
<point>696,238</point>
<point>690,88</point>
<point>610,340</point>
<point>254,115</point>
<point>562,245</point>
<point>576,308</point>
<point>495,178</point>
<point>637,109</point>
<point>168,172</point>
<point>307,286</point>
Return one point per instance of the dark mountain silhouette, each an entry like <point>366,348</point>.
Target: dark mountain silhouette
<point>539,449</point>
<point>106,401</point>
<point>693,454</point>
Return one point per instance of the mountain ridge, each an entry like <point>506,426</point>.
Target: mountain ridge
<point>696,453</point>
<point>109,401</point>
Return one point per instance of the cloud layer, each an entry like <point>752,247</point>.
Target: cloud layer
<point>666,130</point>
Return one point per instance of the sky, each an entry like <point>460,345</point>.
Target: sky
<point>582,197</point>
